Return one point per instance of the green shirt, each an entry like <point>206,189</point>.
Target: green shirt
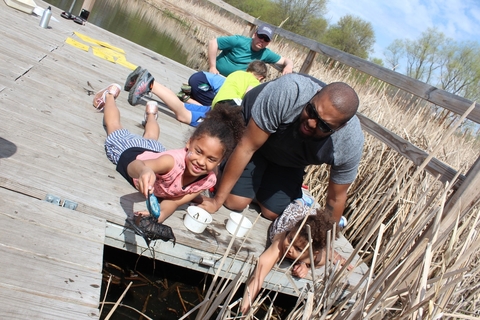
<point>237,54</point>
<point>235,86</point>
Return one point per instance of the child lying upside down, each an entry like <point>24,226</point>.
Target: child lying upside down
<point>297,251</point>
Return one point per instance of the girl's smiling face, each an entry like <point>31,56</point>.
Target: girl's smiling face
<point>297,247</point>
<point>203,155</point>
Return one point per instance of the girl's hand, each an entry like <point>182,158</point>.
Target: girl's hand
<point>338,258</point>
<point>300,269</point>
<point>146,181</point>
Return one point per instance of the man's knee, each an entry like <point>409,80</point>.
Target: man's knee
<point>237,203</point>
<point>268,214</point>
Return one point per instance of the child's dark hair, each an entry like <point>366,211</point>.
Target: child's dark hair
<point>258,68</point>
<point>319,224</point>
<point>224,122</point>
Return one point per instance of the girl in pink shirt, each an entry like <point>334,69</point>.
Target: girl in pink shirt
<point>175,176</point>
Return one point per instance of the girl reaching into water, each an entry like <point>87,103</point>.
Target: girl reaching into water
<point>176,177</point>
<point>287,244</point>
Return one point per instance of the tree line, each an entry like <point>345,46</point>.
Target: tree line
<point>432,58</point>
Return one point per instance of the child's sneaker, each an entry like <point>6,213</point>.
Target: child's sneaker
<point>99,98</point>
<point>183,96</point>
<point>142,86</point>
<point>132,78</point>
<point>186,88</point>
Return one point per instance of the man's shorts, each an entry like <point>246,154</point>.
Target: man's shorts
<point>197,81</point>
<point>198,113</point>
<point>274,186</point>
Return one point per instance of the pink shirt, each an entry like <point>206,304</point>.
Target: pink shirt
<point>169,185</point>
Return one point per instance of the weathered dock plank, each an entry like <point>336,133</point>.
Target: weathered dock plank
<point>51,260</point>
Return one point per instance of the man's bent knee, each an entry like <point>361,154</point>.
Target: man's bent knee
<point>268,214</point>
<point>237,203</point>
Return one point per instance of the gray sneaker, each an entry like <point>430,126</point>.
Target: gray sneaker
<point>132,78</point>
<point>142,86</point>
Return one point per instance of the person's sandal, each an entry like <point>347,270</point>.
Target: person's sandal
<point>100,97</point>
<point>151,108</point>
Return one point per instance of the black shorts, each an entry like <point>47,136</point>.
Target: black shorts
<point>202,96</point>
<point>271,185</point>
<point>126,158</point>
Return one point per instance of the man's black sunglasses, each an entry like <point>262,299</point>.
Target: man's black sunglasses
<point>313,114</point>
<point>263,37</point>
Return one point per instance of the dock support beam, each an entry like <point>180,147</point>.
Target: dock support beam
<point>86,8</point>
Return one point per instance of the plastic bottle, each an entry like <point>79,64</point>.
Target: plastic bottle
<point>47,14</point>
<point>307,198</point>
<point>343,222</point>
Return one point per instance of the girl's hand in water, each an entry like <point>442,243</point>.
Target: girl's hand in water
<point>300,269</point>
<point>338,258</point>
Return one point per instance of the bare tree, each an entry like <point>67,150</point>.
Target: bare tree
<point>393,53</point>
<point>423,54</point>
<point>460,69</point>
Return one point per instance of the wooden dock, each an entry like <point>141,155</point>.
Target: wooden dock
<point>51,148</point>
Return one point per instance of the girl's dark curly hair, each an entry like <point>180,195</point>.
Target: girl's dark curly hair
<point>224,122</point>
<point>319,224</point>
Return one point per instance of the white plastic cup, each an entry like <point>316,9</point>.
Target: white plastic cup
<point>197,219</point>
<point>233,224</point>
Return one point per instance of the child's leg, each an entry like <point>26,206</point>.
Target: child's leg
<point>105,99</point>
<point>152,130</point>
<point>172,102</point>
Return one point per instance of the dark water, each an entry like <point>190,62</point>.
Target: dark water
<point>163,290</point>
<point>127,19</point>
<point>159,289</point>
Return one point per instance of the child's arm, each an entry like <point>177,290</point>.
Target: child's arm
<point>168,206</point>
<point>265,263</point>
<point>145,171</point>
<point>300,269</point>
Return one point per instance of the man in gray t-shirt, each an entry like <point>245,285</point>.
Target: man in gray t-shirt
<point>293,121</point>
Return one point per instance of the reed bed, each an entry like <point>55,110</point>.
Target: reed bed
<point>421,267</point>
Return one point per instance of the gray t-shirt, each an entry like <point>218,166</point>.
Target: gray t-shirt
<point>275,105</point>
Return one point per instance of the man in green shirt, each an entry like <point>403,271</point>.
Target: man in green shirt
<point>238,51</point>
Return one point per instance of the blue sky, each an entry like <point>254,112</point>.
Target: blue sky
<point>407,19</point>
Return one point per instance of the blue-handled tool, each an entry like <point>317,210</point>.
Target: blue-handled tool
<point>153,206</point>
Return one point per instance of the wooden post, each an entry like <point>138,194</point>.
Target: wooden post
<point>307,64</point>
<point>86,8</point>
<point>250,30</point>
<point>462,200</point>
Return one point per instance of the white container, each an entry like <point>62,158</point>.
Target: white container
<point>234,221</point>
<point>197,219</point>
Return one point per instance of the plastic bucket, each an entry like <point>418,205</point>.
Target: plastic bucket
<point>197,219</point>
<point>234,221</point>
